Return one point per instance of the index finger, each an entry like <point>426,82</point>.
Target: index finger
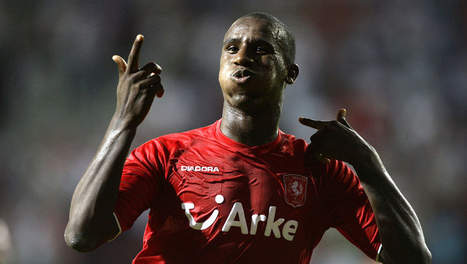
<point>313,123</point>
<point>134,54</point>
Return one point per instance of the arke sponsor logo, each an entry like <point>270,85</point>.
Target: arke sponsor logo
<point>236,218</point>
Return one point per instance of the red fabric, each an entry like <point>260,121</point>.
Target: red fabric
<point>273,201</point>
<point>350,210</point>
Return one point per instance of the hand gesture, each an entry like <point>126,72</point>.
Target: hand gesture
<point>337,140</point>
<point>136,87</point>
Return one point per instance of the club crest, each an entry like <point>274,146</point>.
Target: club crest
<point>295,189</point>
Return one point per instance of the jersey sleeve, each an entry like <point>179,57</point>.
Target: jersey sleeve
<point>350,211</point>
<point>140,183</point>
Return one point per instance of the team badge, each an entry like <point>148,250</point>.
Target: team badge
<point>295,189</point>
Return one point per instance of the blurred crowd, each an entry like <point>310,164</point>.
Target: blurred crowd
<point>399,67</point>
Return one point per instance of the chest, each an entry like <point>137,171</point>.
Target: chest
<point>257,181</point>
<point>227,196</point>
<point>243,184</point>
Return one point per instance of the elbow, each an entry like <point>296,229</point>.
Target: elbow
<point>419,254</point>
<point>423,257</point>
<point>426,255</point>
<point>78,241</point>
<point>78,244</point>
<point>423,254</point>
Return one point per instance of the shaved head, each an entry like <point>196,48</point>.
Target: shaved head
<point>285,39</point>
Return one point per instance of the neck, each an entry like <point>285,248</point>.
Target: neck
<point>248,128</point>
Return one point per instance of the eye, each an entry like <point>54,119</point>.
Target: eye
<point>261,50</point>
<point>231,49</point>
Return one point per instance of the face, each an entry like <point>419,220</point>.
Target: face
<point>252,68</point>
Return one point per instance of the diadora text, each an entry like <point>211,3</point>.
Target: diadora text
<point>199,168</point>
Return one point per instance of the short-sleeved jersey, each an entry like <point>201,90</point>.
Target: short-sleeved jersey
<point>214,200</point>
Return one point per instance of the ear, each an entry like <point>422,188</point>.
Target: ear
<point>292,73</point>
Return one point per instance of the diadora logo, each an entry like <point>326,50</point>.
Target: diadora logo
<point>278,227</point>
<point>199,168</point>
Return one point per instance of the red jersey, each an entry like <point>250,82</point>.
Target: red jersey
<point>214,200</point>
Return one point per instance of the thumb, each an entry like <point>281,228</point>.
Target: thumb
<point>341,114</point>
<point>121,64</point>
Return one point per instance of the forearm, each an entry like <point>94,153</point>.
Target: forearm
<point>399,228</point>
<point>90,219</point>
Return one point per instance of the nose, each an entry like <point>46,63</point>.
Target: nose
<point>243,58</point>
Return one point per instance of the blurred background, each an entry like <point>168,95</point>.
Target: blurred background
<point>400,68</point>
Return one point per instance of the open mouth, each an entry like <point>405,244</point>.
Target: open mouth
<point>242,75</point>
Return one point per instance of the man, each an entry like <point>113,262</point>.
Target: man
<point>240,190</point>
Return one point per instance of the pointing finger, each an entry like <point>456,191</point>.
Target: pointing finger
<point>121,64</point>
<point>134,53</point>
<point>313,123</point>
<point>341,114</point>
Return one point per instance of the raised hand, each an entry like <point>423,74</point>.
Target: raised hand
<point>338,140</point>
<point>399,228</point>
<point>136,87</point>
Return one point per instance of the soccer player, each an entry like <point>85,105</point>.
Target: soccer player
<point>240,190</point>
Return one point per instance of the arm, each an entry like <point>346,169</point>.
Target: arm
<point>91,221</point>
<point>399,229</point>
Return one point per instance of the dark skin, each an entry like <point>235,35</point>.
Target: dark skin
<point>399,228</point>
<point>91,222</point>
<point>252,107</point>
<point>252,75</point>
